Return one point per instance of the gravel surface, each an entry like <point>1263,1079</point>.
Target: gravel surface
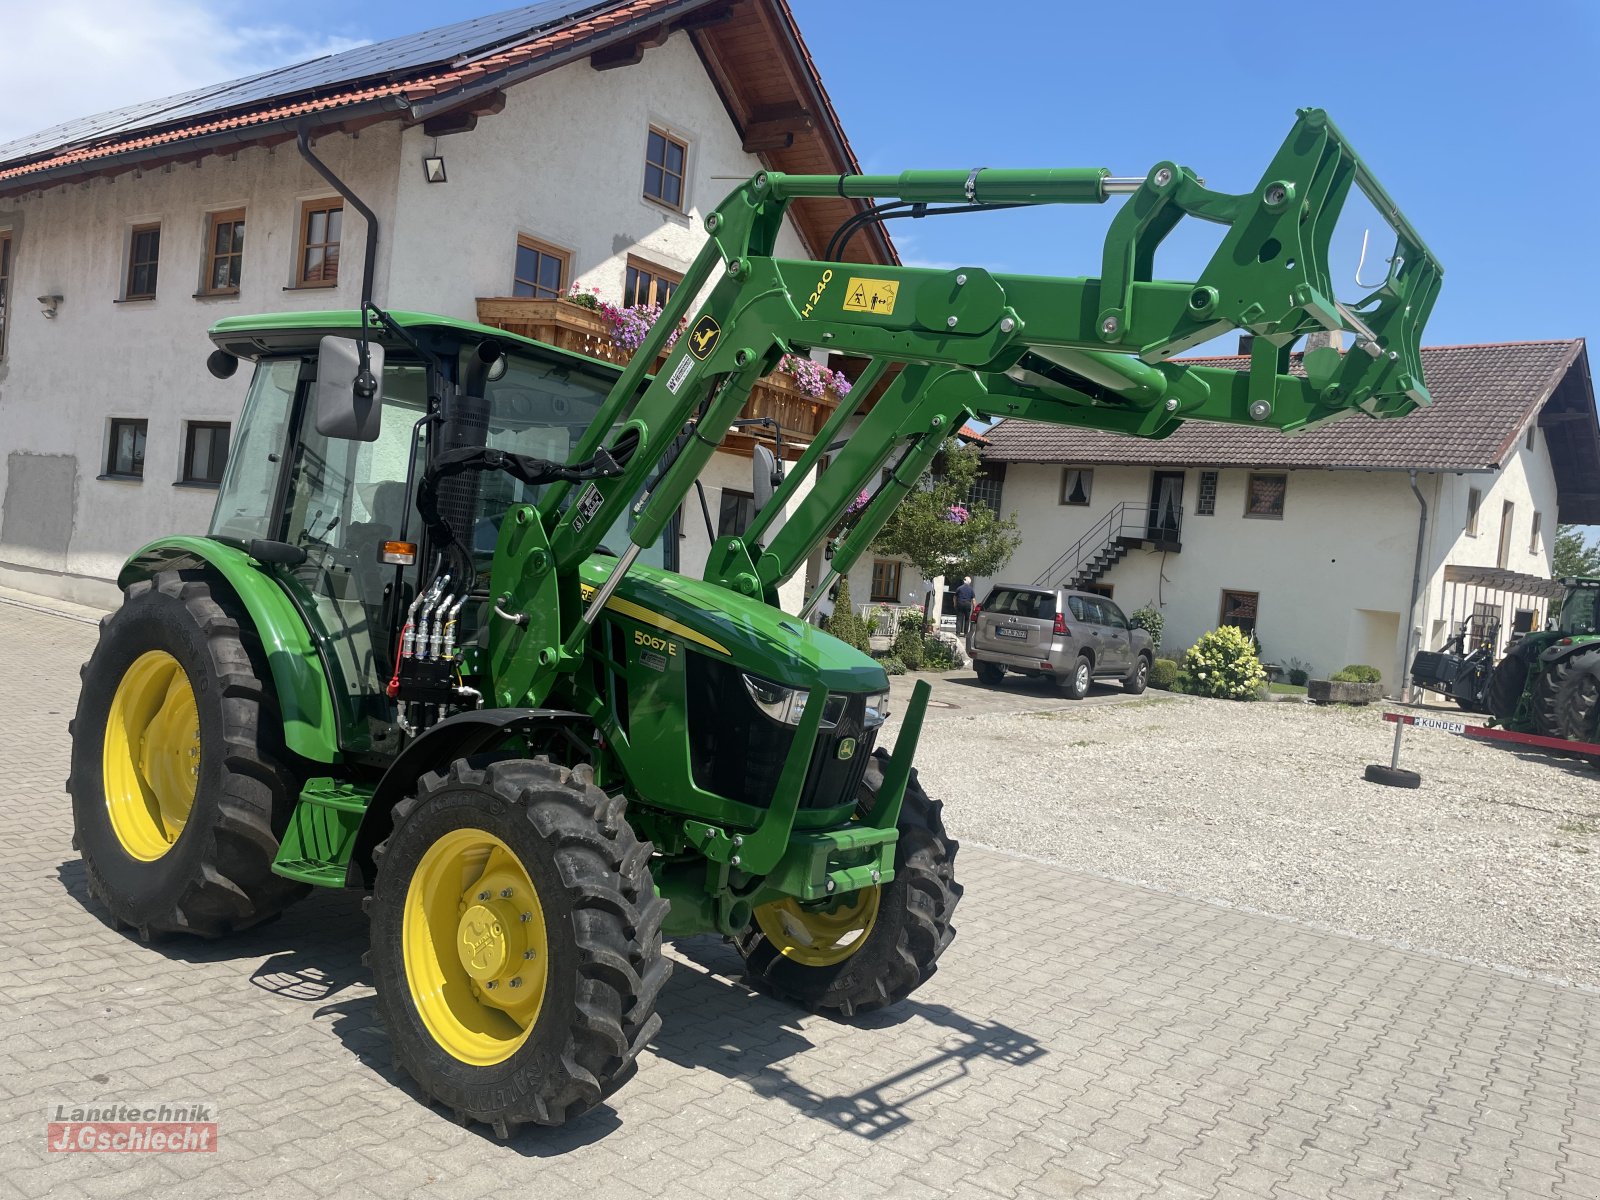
<point>1493,859</point>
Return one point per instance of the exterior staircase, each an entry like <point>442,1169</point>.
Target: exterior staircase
<point>1125,528</point>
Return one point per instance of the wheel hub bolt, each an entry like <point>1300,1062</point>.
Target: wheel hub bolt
<point>490,985</point>
<point>526,917</point>
<point>483,895</point>
<point>517,982</point>
<point>528,955</point>
<point>505,893</point>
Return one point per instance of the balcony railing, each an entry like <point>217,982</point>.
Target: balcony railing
<point>570,326</point>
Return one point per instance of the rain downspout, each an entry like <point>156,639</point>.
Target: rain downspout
<point>1416,587</point>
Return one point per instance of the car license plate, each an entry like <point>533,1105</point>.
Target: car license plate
<point>1012,633</point>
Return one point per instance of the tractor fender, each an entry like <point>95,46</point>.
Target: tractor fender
<point>1557,651</point>
<point>310,724</point>
<point>460,736</point>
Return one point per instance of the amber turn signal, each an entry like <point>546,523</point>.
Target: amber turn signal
<point>399,554</point>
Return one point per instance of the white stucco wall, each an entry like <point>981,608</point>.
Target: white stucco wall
<point>563,162</point>
<point>64,379</point>
<point>1334,575</point>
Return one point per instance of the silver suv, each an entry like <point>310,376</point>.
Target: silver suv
<point>1070,637</point>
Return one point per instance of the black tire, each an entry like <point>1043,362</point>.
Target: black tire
<point>912,929</point>
<point>217,876</point>
<point>1076,685</point>
<point>988,672</point>
<point>1139,678</point>
<point>1509,680</point>
<point>1392,776</point>
<point>1566,697</point>
<point>602,917</point>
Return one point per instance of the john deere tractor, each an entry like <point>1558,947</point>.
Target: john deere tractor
<point>1549,681</point>
<point>433,645</point>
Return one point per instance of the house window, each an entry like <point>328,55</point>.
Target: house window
<point>1239,610</point>
<point>885,581</point>
<point>321,222</point>
<point>1266,496</point>
<point>988,486</point>
<point>1206,505</point>
<point>738,510</point>
<point>125,454</point>
<point>648,285</point>
<point>5,286</point>
<point>1474,503</point>
<point>1508,517</point>
<point>664,159</point>
<point>144,253</point>
<point>205,452</point>
<point>224,253</point>
<point>1076,485</point>
<point>541,270</point>
<point>1533,534</point>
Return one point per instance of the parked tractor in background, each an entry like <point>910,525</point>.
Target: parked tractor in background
<point>1549,681</point>
<point>432,646</point>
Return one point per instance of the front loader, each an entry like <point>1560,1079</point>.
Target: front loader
<point>432,646</point>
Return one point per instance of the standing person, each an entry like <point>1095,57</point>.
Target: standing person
<point>964,598</point>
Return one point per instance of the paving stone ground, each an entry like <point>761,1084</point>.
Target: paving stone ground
<point>1083,1038</point>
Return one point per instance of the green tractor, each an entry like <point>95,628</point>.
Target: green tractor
<point>1549,681</point>
<point>433,647</point>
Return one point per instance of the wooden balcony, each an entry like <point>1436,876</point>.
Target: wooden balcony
<point>569,326</point>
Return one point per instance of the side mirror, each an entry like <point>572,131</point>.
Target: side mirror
<point>765,475</point>
<point>347,406</point>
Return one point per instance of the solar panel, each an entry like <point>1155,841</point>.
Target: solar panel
<point>449,44</point>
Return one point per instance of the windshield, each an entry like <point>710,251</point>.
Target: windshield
<point>1577,611</point>
<point>542,408</point>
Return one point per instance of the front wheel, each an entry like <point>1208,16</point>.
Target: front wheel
<point>874,947</point>
<point>1139,678</point>
<point>516,942</point>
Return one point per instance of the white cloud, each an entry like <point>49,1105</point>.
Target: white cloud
<point>73,58</point>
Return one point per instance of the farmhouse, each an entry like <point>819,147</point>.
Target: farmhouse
<point>1356,542</point>
<point>506,159</point>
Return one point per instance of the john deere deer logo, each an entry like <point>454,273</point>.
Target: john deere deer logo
<point>703,337</point>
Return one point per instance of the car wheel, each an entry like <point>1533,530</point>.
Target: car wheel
<point>1076,685</point>
<point>1139,678</point>
<point>989,672</point>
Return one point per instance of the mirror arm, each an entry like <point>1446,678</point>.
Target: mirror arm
<point>365,385</point>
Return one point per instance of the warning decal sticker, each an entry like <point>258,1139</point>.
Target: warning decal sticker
<point>871,295</point>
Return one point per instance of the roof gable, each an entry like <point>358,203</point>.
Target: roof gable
<point>1483,398</point>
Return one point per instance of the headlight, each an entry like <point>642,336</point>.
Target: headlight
<point>787,705</point>
<point>877,710</point>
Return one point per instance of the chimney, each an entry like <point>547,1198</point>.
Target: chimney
<point>1247,341</point>
<point>1323,337</point>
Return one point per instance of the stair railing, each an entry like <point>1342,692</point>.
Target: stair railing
<point>1115,524</point>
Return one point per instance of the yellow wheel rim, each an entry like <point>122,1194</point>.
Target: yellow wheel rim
<point>475,947</point>
<point>819,937</point>
<point>151,757</point>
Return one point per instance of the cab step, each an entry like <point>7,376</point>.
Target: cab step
<point>322,832</point>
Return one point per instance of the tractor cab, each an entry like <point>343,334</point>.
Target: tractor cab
<point>1579,617</point>
<point>334,518</point>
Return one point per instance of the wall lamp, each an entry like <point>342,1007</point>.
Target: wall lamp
<point>48,306</point>
<point>433,169</point>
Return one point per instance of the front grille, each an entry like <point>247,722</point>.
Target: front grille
<point>737,751</point>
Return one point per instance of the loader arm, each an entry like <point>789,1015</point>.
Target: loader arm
<point>1094,352</point>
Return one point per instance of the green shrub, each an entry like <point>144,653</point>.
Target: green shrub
<point>1163,674</point>
<point>1358,673</point>
<point>910,641</point>
<point>1298,677</point>
<point>1151,621</point>
<point>845,624</point>
<point>937,654</point>
<point>892,665</point>
<point>1223,664</point>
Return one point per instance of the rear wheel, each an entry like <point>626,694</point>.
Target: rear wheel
<point>516,942</point>
<point>1509,680</point>
<point>874,947</point>
<point>1076,685</point>
<point>180,788</point>
<point>1566,697</point>
<point>989,672</point>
